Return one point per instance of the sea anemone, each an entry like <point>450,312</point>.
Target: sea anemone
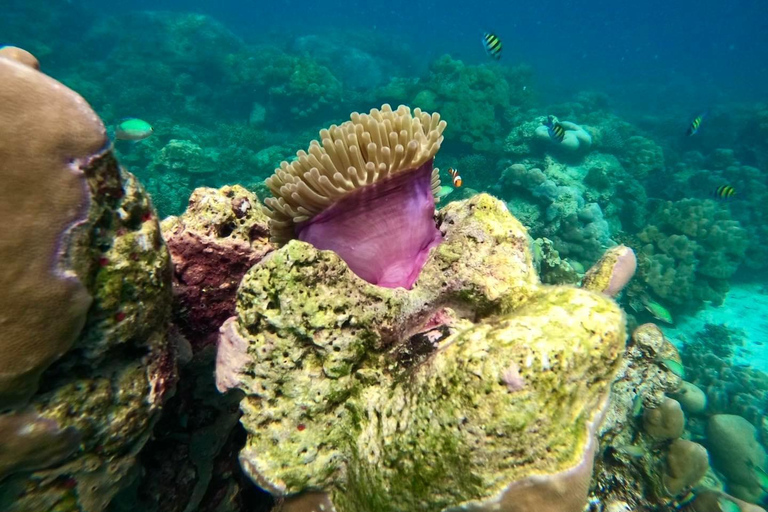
<point>367,192</point>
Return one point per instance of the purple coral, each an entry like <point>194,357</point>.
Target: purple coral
<point>623,270</point>
<point>512,378</point>
<point>231,356</point>
<point>612,273</point>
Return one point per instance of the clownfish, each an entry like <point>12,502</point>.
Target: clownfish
<point>456,178</point>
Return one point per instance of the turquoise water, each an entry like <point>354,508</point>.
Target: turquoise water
<point>231,89</point>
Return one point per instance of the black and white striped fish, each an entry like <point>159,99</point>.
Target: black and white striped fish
<point>555,129</point>
<point>492,45</point>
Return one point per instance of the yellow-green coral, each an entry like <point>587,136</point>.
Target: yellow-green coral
<point>389,399</point>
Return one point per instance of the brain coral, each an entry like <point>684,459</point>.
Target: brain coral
<point>477,390</point>
<point>86,303</point>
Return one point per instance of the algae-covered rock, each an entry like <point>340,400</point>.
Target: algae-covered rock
<point>222,234</point>
<point>550,266</point>
<point>479,389</point>
<point>86,306</point>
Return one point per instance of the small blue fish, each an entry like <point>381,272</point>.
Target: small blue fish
<point>133,129</point>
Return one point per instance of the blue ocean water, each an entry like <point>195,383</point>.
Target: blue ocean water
<point>687,53</point>
<point>232,88</point>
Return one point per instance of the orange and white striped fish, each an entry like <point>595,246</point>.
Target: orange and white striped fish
<point>456,178</point>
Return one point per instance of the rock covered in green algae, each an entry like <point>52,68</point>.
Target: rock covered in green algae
<point>479,388</point>
<point>71,444</point>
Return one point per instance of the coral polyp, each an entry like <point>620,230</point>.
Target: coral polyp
<point>365,192</point>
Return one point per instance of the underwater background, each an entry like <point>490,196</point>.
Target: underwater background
<point>666,100</point>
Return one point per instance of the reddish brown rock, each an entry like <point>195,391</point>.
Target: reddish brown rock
<point>222,234</point>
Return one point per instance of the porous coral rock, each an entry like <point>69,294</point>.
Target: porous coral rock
<point>390,400</point>
<point>222,234</point>
<point>112,364</point>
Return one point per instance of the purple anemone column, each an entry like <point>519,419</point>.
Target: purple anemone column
<point>383,231</point>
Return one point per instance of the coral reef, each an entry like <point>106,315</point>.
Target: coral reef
<point>632,467</point>
<point>554,203</point>
<point>691,249</point>
<point>483,102</point>
<point>699,175</point>
<point>641,156</point>
<point>388,399</point>
<point>729,389</point>
<point>552,269</point>
<point>87,265</point>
